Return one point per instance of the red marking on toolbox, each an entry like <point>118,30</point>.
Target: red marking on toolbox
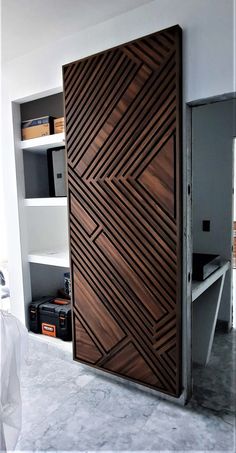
<point>48,329</point>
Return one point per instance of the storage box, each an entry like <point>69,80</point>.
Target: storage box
<point>51,317</point>
<point>204,264</point>
<point>37,127</point>
<point>56,320</point>
<point>59,125</point>
<point>34,321</point>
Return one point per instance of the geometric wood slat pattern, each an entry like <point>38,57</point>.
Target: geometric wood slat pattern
<point>123,140</point>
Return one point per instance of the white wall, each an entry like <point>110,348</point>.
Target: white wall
<point>3,232</point>
<point>207,45</point>
<point>207,71</point>
<point>47,228</point>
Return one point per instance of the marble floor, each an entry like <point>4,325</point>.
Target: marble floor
<point>66,407</point>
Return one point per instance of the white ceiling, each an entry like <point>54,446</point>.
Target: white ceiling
<point>31,24</point>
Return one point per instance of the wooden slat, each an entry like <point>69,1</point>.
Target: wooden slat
<point>123,132</point>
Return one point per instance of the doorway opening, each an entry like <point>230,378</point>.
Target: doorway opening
<point>212,132</point>
<point>212,189</point>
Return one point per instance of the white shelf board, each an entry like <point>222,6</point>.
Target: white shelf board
<point>43,143</point>
<point>50,257</point>
<point>49,201</point>
<point>65,346</point>
<point>198,287</point>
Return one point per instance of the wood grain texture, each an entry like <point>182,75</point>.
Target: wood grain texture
<point>123,139</point>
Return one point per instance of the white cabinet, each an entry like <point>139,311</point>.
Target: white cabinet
<point>44,219</point>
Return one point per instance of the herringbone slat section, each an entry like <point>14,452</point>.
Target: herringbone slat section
<point>123,127</point>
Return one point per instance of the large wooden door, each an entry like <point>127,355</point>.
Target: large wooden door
<point>123,125</point>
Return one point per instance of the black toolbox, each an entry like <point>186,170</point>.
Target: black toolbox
<point>51,316</point>
<point>34,320</point>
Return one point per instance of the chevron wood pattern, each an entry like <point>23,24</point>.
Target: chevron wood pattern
<point>123,139</point>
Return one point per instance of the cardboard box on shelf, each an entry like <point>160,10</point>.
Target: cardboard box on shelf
<point>59,125</point>
<point>37,127</point>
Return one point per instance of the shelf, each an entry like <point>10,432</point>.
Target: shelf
<point>43,143</point>
<point>65,346</point>
<point>50,201</point>
<point>199,287</point>
<point>50,257</point>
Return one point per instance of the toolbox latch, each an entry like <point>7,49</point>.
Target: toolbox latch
<point>62,320</point>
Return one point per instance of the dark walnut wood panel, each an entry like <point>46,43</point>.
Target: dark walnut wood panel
<point>123,134</point>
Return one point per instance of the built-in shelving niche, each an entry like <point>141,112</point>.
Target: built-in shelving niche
<point>35,150</point>
<point>46,217</point>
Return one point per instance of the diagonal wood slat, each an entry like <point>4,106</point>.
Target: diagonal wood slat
<point>123,139</point>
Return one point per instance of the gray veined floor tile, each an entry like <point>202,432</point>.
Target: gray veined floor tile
<point>46,384</point>
<point>76,426</point>
<point>217,401</point>
<point>191,428</point>
<point>68,407</point>
<point>119,400</point>
<point>215,385</point>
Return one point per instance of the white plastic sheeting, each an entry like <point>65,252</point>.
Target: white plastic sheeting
<point>13,351</point>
